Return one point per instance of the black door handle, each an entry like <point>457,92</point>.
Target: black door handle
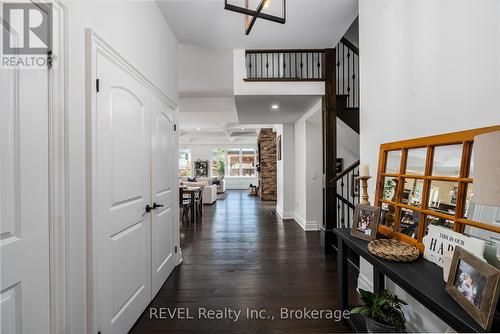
<point>148,209</point>
<point>156,206</point>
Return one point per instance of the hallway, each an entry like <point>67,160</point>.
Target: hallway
<point>243,256</point>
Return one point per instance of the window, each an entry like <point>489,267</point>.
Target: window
<point>185,166</point>
<point>248,162</point>
<point>427,181</point>
<point>219,162</point>
<point>233,162</point>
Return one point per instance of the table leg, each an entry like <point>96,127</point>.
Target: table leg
<point>193,207</point>
<point>342,274</point>
<point>378,281</point>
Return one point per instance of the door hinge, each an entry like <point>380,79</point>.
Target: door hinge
<point>50,59</point>
<point>175,127</point>
<point>97,85</point>
<point>176,249</point>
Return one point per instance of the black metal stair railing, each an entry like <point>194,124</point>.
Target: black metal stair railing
<point>348,72</point>
<point>285,65</point>
<point>346,186</point>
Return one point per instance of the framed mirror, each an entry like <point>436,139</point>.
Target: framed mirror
<point>427,181</point>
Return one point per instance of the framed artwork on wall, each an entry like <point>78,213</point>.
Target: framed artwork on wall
<point>339,165</point>
<point>355,184</point>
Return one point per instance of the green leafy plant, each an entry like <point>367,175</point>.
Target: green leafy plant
<point>220,165</point>
<point>384,308</point>
<point>389,186</point>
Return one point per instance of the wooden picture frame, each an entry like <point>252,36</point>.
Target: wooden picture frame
<point>425,212</point>
<point>474,284</point>
<point>359,224</point>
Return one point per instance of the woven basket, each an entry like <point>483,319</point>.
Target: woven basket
<point>393,250</point>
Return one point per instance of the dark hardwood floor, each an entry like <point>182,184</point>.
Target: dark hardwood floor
<point>244,257</point>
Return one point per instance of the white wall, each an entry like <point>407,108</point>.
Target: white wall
<point>301,175</point>
<point>204,152</point>
<point>205,72</point>
<point>314,172</point>
<point>428,67</point>
<point>285,199</point>
<point>138,31</point>
<point>347,143</point>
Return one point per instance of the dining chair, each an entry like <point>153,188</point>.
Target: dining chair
<point>185,204</point>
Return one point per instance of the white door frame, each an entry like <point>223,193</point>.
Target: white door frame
<point>58,171</point>
<point>95,44</point>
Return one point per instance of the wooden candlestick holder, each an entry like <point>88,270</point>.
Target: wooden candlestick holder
<point>364,187</point>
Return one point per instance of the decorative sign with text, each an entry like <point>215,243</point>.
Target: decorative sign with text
<point>440,240</point>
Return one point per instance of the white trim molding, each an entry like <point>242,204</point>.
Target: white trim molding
<point>58,174</point>
<point>307,225</point>
<point>284,214</point>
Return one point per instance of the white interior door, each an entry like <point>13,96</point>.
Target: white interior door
<point>24,222</point>
<point>123,245</point>
<point>163,194</point>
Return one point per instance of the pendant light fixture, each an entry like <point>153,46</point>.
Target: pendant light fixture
<point>262,11</point>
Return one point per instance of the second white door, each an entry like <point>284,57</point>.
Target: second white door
<point>135,210</point>
<point>163,194</point>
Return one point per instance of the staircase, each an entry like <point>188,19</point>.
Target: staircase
<point>339,69</point>
<point>345,185</point>
<point>347,83</point>
<point>349,115</point>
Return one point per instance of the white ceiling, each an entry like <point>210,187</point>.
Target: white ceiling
<point>310,24</point>
<point>207,33</point>
<point>220,133</point>
<point>213,120</point>
<point>291,107</point>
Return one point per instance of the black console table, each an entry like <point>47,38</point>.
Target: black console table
<point>422,280</point>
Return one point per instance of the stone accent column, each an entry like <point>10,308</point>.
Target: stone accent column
<point>268,165</point>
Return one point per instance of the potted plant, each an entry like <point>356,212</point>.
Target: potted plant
<point>382,312</point>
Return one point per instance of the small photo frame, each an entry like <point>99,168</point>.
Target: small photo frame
<point>474,284</point>
<point>365,222</point>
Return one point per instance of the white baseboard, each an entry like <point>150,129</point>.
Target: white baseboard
<point>307,225</point>
<point>285,214</point>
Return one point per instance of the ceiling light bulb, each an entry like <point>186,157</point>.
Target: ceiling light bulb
<point>242,129</point>
<point>275,107</point>
<point>198,129</point>
<point>267,4</point>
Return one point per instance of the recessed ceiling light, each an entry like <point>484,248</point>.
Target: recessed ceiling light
<point>198,129</point>
<point>242,129</point>
<point>275,107</point>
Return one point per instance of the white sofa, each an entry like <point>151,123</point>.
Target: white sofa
<point>209,191</point>
<point>221,187</point>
